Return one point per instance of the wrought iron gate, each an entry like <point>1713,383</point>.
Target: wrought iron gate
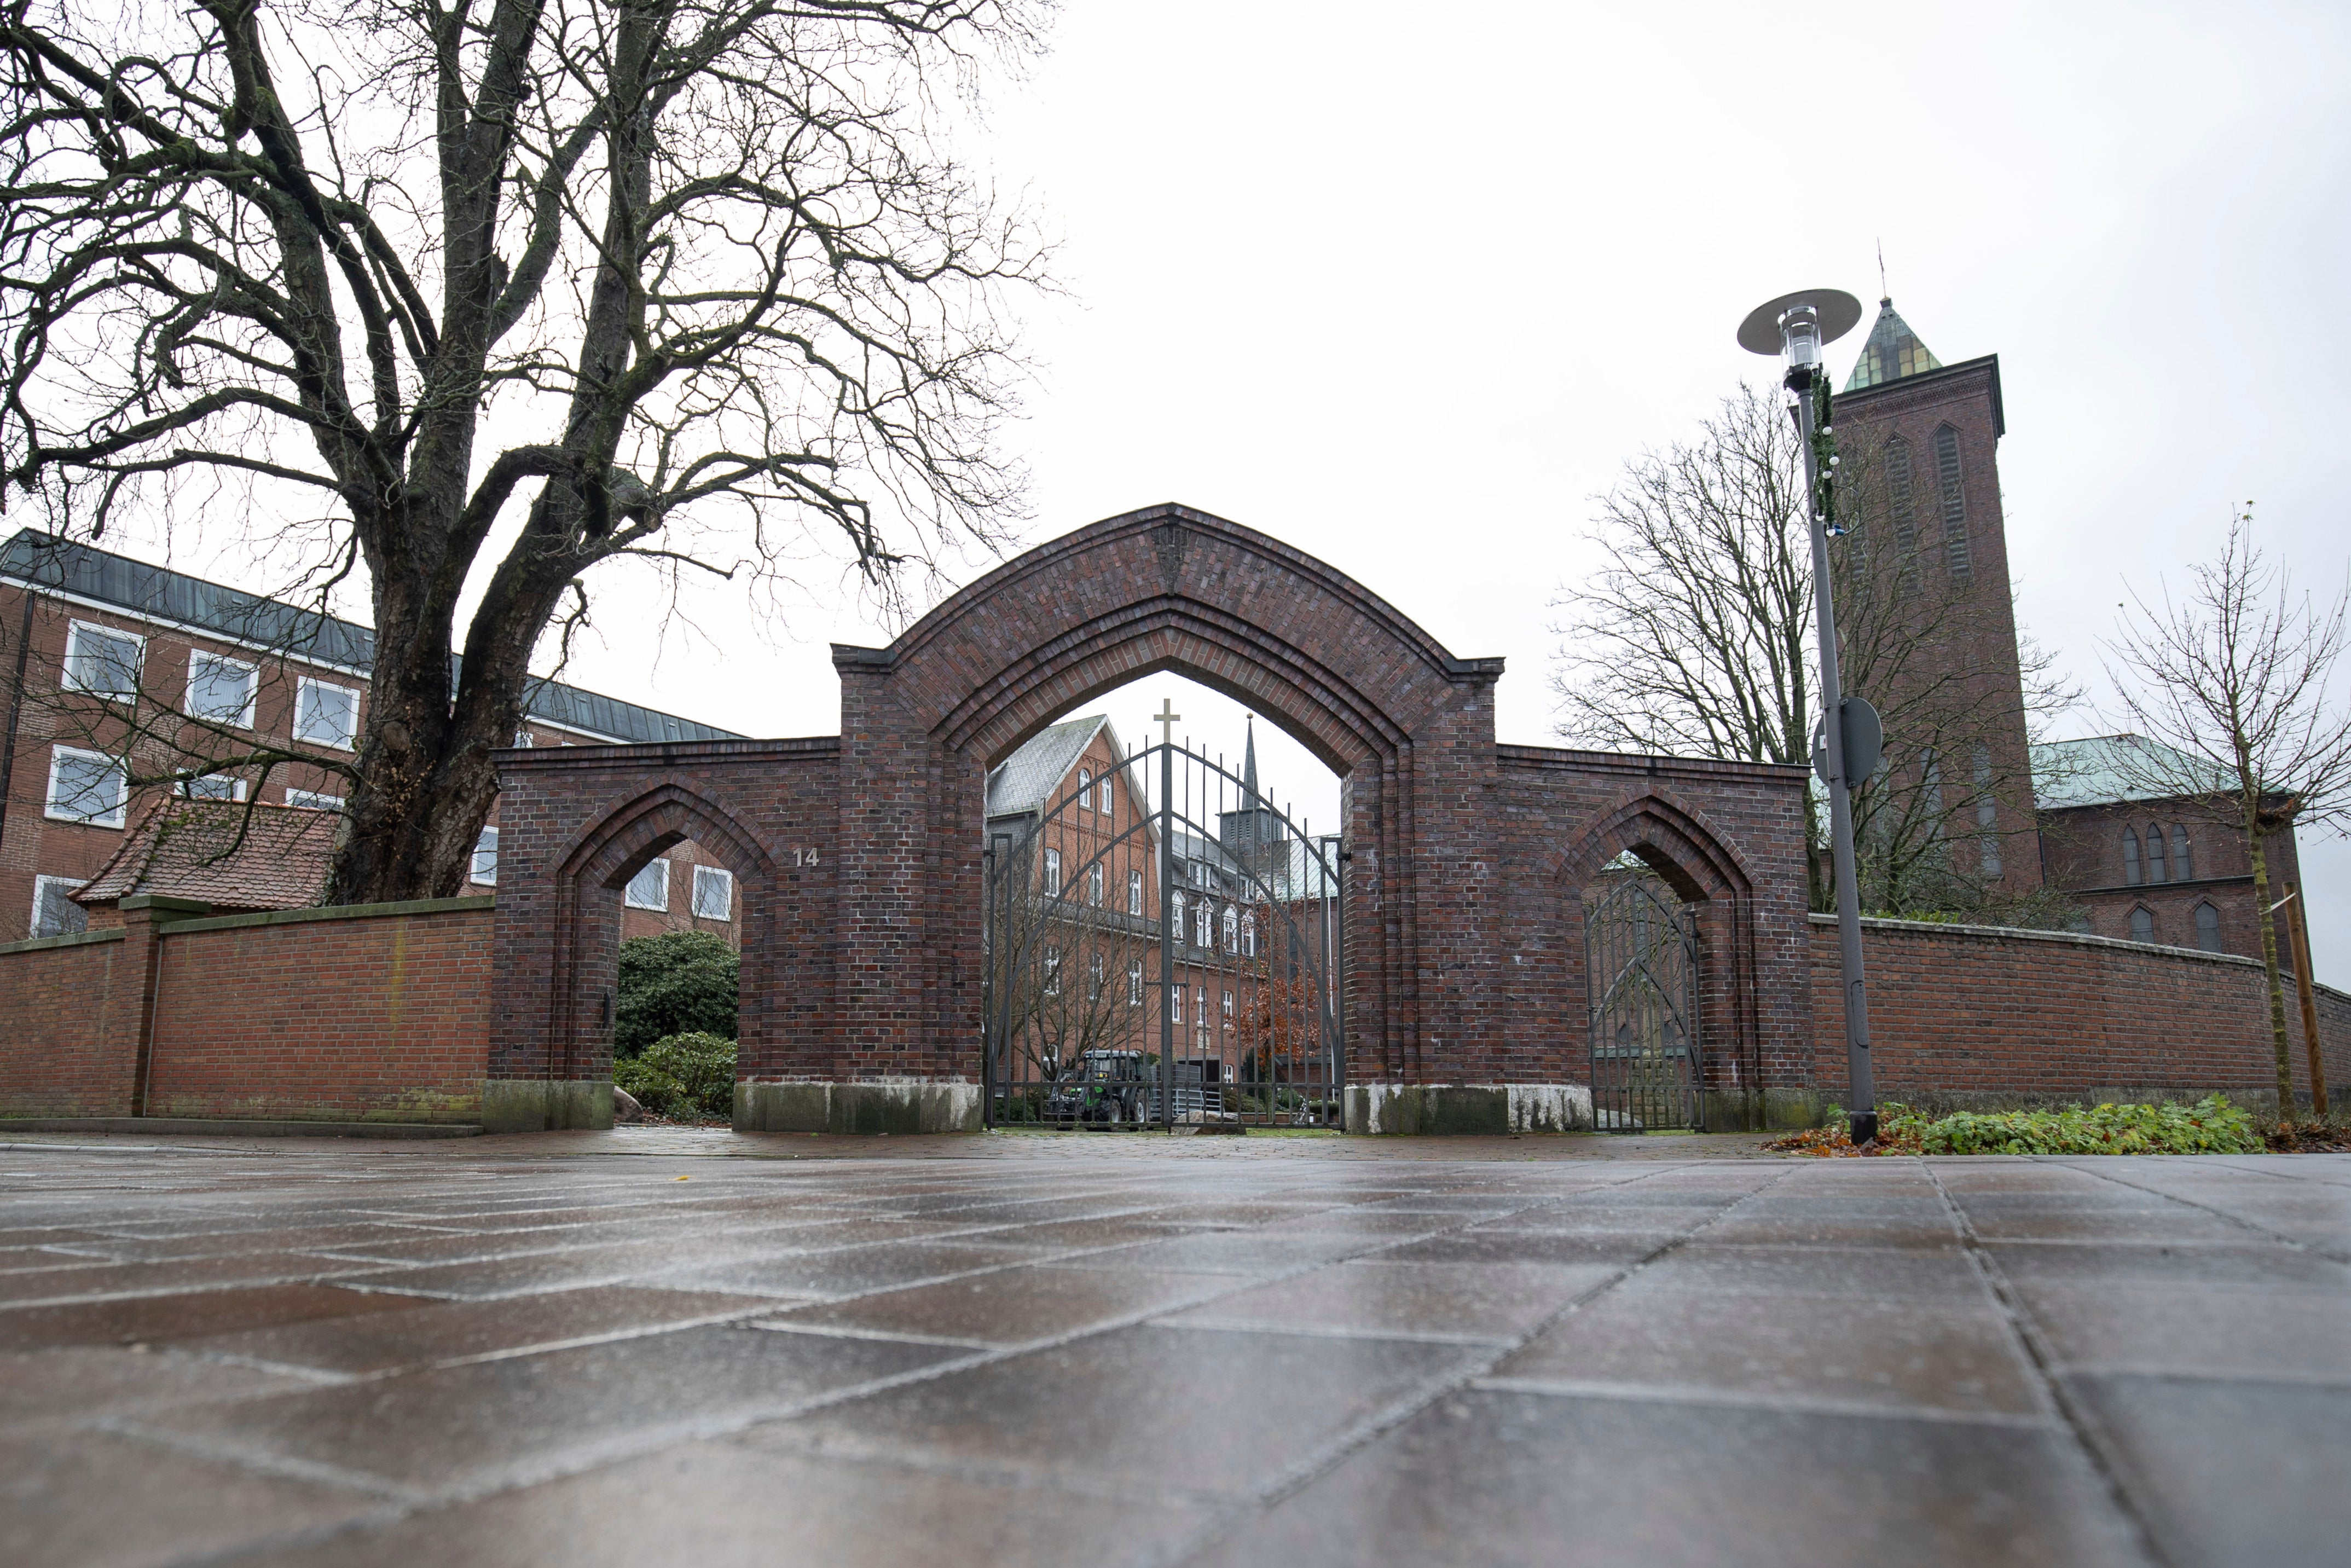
<point>1161,948</point>
<point>1641,963</point>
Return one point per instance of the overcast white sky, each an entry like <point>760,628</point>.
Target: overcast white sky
<point>1405,284</point>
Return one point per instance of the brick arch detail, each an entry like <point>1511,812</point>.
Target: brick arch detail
<point>1696,860</point>
<point>1407,725</point>
<point>1676,839</point>
<point>589,878</point>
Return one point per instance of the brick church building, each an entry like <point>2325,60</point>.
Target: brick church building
<point>2063,815</point>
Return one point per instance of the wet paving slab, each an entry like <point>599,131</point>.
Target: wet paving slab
<point>608,1349</point>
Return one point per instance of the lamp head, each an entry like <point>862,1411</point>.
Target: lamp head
<point>1796,327</point>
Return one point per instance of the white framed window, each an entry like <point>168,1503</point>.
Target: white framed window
<point>1052,971</point>
<point>103,661</point>
<point>222,689</point>
<point>326,714</point>
<point>1232,930</point>
<point>1248,936</point>
<point>1086,790</point>
<point>87,787</point>
<point>1135,982</point>
<point>1052,873</point>
<point>1094,884</point>
<point>213,787</point>
<point>312,801</point>
<point>523,741</point>
<point>1109,800</point>
<point>1229,1009</point>
<point>1176,1003</point>
<point>55,913</point>
<point>649,889</point>
<point>1175,912</point>
<point>486,859</point>
<point>1134,892</point>
<point>1203,934</point>
<point>1200,1011</point>
<point>714,892</point>
<point>1094,977</point>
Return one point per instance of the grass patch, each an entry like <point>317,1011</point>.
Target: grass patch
<point>2210,1126</point>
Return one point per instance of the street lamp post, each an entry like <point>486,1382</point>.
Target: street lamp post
<point>1796,327</point>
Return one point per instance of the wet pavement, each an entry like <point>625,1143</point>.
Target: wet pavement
<point>656,1346</point>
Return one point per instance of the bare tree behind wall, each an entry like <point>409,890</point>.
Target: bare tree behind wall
<point>1694,639</point>
<point>693,283</point>
<point>2236,682</point>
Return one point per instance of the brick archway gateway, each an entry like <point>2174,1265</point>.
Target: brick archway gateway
<point>1463,975</point>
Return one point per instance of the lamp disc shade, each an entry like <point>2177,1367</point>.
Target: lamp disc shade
<point>1839,312</point>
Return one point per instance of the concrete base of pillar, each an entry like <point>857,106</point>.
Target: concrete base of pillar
<point>545,1105</point>
<point>1481,1108</point>
<point>887,1105</point>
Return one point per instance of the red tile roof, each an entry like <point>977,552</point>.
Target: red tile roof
<point>231,856</point>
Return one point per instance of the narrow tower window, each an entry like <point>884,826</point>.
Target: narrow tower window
<point>1986,812</point>
<point>1955,503</point>
<point>1902,501</point>
<point>2154,854</point>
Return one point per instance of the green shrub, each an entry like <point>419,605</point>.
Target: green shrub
<point>2210,1126</point>
<point>679,982</point>
<point>682,1075</point>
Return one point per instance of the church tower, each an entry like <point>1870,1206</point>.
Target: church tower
<point>1925,439</point>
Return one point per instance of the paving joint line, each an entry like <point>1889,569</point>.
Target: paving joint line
<point>2096,1447</point>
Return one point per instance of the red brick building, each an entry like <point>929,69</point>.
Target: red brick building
<point>2172,871</point>
<point>118,669</point>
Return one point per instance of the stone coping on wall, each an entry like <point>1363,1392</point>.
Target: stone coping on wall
<point>71,939</point>
<point>2066,939</point>
<point>1623,762</point>
<point>331,912</point>
<point>660,754</point>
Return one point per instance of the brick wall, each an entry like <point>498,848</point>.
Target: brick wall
<point>1967,1017</point>
<point>332,1014</point>
<point>375,1012</point>
<point>59,1053</point>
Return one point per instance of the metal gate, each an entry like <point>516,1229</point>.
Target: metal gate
<point>1161,948</point>
<point>1641,960</point>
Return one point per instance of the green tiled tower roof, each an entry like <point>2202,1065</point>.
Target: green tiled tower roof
<point>1892,351</point>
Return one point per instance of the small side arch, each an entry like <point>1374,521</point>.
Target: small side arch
<point>1673,838</point>
<point>588,882</point>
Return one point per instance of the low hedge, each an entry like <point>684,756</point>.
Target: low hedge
<point>2210,1126</point>
<point>682,1075</point>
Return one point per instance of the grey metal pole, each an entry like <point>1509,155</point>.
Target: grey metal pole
<point>1862,1090</point>
<point>1167,932</point>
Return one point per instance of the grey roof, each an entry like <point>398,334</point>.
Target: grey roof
<point>2111,769</point>
<point>1022,780</point>
<point>136,588</point>
<point>1892,351</point>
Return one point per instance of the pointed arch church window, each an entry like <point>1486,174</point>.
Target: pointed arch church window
<point>1902,504</point>
<point>2142,925</point>
<point>2183,865</point>
<point>2155,872</point>
<point>2208,928</point>
<point>2130,858</point>
<point>1954,499</point>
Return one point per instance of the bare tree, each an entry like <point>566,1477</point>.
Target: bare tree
<point>1694,639</point>
<point>647,279</point>
<point>2234,683</point>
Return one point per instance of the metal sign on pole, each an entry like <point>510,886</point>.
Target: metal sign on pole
<point>1795,327</point>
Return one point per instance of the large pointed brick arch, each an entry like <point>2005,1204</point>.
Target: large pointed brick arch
<point>1408,726</point>
<point>860,853</point>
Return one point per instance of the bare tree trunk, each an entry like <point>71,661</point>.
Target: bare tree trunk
<point>2283,1045</point>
